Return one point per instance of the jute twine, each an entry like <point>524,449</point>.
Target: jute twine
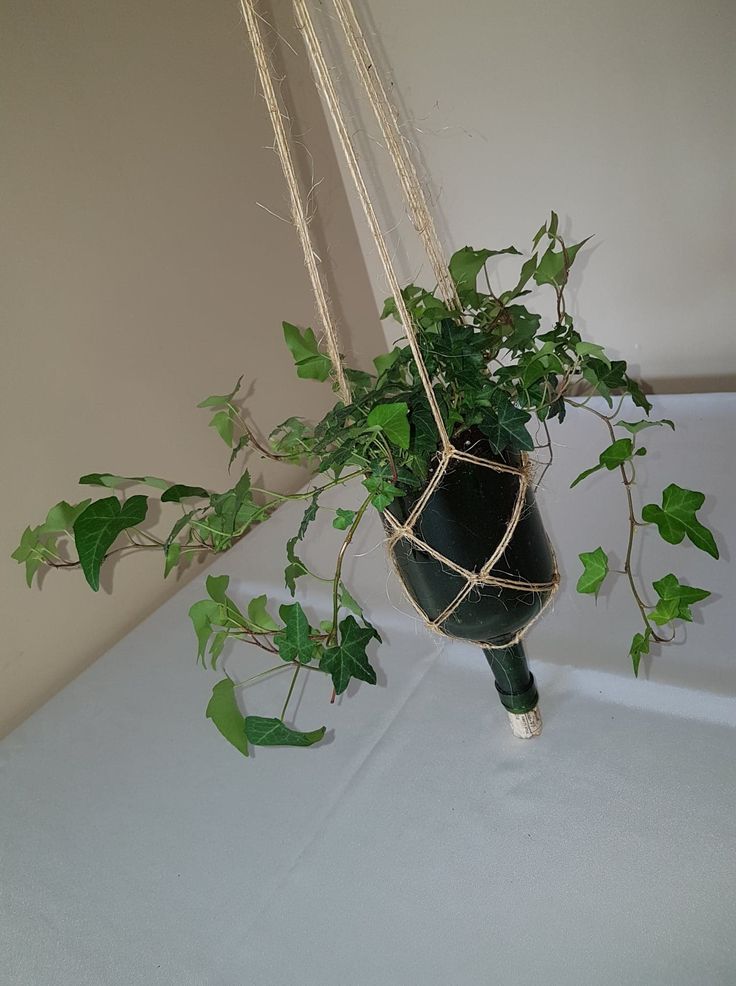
<point>421,217</point>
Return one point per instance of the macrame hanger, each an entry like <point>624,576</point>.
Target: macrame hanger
<point>424,225</point>
<point>398,152</point>
<point>298,211</point>
<point>326,86</point>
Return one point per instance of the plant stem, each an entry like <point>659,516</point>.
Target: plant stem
<point>628,482</point>
<point>338,568</point>
<point>291,689</point>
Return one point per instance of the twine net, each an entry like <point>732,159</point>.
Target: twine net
<point>487,575</point>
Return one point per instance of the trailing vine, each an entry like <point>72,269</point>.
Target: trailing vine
<point>494,366</point>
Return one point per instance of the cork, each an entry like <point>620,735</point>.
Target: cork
<point>527,725</point>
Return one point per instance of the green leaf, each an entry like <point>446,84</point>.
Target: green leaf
<point>217,587</point>
<point>109,480</point>
<point>348,659</point>
<point>63,516</point>
<point>551,268</point>
<point>639,646</point>
<point>203,615</point>
<point>385,361</point>
<point>595,569</point>
<point>675,600</point>
<point>384,493</point>
<point>179,492</point>
<point>221,400</point>
<point>538,235</point>
<point>296,567</point>
<point>592,349</point>
<point>504,426</point>
<point>272,732</point>
<point>171,555</point>
<point>636,426</point>
<point>676,518</point>
<point>309,515</point>
<point>552,225</point>
<point>310,363</point>
<point>294,642</point>
<point>466,264</point>
<point>259,616</point>
<point>241,443</point>
<point>178,527</point>
<point>393,421</point>
<point>98,527</point>
<point>30,551</point>
<point>347,601</point>
<point>217,646</point>
<point>222,422</point>
<point>610,458</point>
<point>343,519</point>
<point>223,710</point>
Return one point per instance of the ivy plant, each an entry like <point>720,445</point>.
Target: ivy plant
<point>495,366</point>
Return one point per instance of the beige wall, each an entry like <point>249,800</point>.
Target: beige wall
<point>139,275</point>
<point>620,116</point>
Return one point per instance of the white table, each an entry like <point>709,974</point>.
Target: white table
<point>421,844</point>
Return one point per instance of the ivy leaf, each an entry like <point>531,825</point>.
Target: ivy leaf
<point>385,361</point>
<point>295,568</point>
<point>222,422</point>
<point>217,646</point>
<point>527,269</point>
<point>178,527</point>
<point>63,516</point>
<point>466,264</point>
<point>258,615</point>
<point>592,349</point>
<point>675,600</point>
<point>30,551</point>
<point>311,364</point>
<point>237,448</point>
<point>637,395</point>
<point>636,426</point>
<point>347,601</point>
<point>179,492</point>
<point>639,646</point>
<point>221,400</point>
<point>551,268</point>
<point>98,527</point>
<point>610,458</point>
<point>348,659</point>
<point>393,421</point>
<point>272,732</point>
<point>309,515</point>
<point>217,587</point>
<point>223,711</point>
<point>504,426</point>
<point>676,518</point>
<point>384,493</point>
<point>294,642</point>
<point>343,519</point>
<point>595,569</point>
<point>204,615</point>
<point>171,557</point>
<point>110,480</point>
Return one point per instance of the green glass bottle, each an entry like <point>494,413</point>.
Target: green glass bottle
<point>464,520</point>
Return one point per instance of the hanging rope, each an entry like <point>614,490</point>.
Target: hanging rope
<point>298,211</point>
<point>396,145</point>
<point>327,88</point>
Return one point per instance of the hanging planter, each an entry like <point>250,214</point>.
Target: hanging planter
<point>443,437</point>
<point>476,562</point>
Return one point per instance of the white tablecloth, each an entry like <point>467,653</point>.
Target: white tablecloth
<point>421,844</point>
